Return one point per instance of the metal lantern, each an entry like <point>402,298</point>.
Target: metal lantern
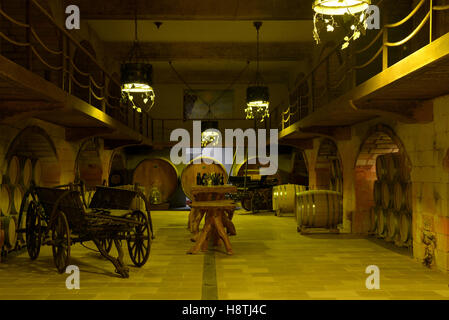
<point>330,14</point>
<point>258,102</point>
<point>136,77</point>
<point>136,80</point>
<point>257,95</point>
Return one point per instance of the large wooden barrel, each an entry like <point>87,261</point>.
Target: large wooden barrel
<point>381,167</point>
<point>386,194</point>
<point>9,228</point>
<point>27,172</point>
<point>253,170</point>
<point>284,197</point>
<point>398,196</point>
<point>382,222</point>
<point>18,193</point>
<point>392,224</point>
<point>393,163</point>
<point>319,209</point>
<point>405,227</point>
<point>37,172</point>
<point>2,234</point>
<point>408,197</point>
<point>377,191</point>
<point>6,199</point>
<point>159,177</point>
<point>188,175</point>
<point>14,170</point>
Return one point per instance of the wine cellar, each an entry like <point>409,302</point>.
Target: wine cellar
<point>261,150</point>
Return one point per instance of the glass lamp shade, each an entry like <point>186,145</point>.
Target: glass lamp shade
<point>340,7</point>
<point>136,77</point>
<point>209,133</point>
<point>258,102</point>
<point>136,80</point>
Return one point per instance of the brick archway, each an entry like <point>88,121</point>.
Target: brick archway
<point>380,139</point>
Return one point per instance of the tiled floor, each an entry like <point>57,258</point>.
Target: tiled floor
<point>271,261</point>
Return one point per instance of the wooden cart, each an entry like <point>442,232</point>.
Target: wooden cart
<point>58,217</point>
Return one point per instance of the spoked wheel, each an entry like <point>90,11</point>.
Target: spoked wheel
<point>139,239</point>
<point>60,236</point>
<point>33,230</point>
<point>106,244</point>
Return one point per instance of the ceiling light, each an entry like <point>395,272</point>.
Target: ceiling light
<point>331,14</point>
<point>257,95</point>
<point>136,77</point>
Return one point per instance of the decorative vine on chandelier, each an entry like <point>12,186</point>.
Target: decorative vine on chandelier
<point>349,15</point>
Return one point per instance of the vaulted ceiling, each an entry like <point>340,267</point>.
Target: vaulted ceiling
<point>207,41</point>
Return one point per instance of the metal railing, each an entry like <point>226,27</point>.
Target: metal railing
<point>58,65</point>
<point>315,90</point>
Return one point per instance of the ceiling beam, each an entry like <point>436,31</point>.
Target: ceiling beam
<point>172,51</point>
<point>195,9</point>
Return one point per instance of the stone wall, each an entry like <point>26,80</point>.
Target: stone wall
<point>426,146</point>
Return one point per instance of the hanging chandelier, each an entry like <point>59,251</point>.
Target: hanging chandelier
<point>257,95</point>
<point>210,137</point>
<point>348,14</point>
<point>136,77</point>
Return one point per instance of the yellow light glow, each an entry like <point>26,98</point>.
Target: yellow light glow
<point>136,88</point>
<point>340,7</point>
<point>259,108</point>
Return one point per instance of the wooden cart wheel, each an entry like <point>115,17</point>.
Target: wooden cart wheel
<point>33,230</point>
<point>60,236</point>
<point>106,244</point>
<point>139,239</point>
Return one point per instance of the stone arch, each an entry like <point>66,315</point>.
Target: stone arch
<point>88,165</point>
<point>34,143</point>
<point>379,140</point>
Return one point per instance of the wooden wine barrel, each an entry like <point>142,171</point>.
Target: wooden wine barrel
<point>9,228</point>
<point>405,227</point>
<point>398,196</point>
<point>382,222</point>
<point>393,162</point>
<point>377,193</point>
<point>285,196</point>
<point>14,170</point>
<point>6,199</point>
<point>188,175</point>
<point>386,194</point>
<point>373,217</point>
<point>27,172</point>
<point>18,193</point>
<point>408,197</point>
<point>37,172</point>
<point>381,167</point>
<point>158,176</point>
<point>253,171</point>
<point>320,209</point>
<point>392,224</point>
<point>2,234</point>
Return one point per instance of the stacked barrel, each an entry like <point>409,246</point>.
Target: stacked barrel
<point>391,217</point>
<point>21,171</point>
<point>284,198</point>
